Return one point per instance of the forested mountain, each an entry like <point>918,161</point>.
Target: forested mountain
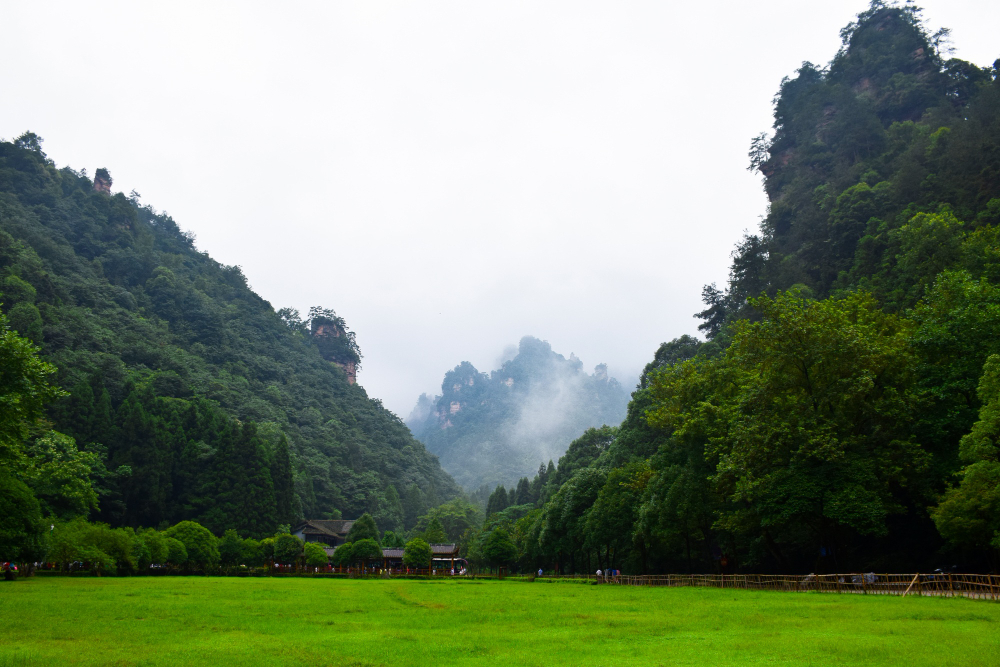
<point>196,399</point>
<point>843,414</point>
<point>495,428</point>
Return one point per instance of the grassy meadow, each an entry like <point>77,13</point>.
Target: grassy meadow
<point>275,621</point>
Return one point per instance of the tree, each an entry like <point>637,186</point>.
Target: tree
<point>366,550</point>
<point>417,554</point>
<point>363,529</point>
<point>810,417</point>
<point>59,475</point>
<point>434,533</point>
<point>391,540</point>
<point>499,549</point>
<point>199,543</point>
<point>343,555</point>
<point>251,553</point>
<point>21,526</point>
<point>230,548</point>
<point>499,500</point>
<point>969,514</point>
<point>455,517</point>
<point>315,555</point>
<point>176,551</point>
<point>716,310</point>
<point>287,549</point>
<point>283,483</point>
<point>156,543</point>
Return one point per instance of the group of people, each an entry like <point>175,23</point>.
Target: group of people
<point>610,574</point>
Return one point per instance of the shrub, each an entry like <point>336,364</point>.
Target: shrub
<point>287,548</point>
<point>201,546</point>
<point>417,553</point>
<point>315,555</point>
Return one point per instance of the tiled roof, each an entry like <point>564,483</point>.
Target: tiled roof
<point>332,527</point>
<point>392,553</point>
<point>444,549</point>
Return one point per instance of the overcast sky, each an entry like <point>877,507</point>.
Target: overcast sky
<point>448,176</point>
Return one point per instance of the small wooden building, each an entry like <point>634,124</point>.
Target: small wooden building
<point>331,532</point>
<point>444,557</point>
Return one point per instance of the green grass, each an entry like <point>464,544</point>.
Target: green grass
<point>216,621</point>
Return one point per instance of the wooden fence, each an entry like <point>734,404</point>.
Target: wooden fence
<point>978,586</point>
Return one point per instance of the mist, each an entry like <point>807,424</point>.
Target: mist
<point>494,428</point>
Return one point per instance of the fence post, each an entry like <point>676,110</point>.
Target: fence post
<point>951,586</point>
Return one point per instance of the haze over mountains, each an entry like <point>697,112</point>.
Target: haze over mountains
<point>494,428</point>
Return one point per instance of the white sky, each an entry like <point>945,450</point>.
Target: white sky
<point>448,176</point>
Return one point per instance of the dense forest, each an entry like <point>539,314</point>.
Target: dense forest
<point>494,428</point>
<point>843,412</point>
<point>184,395</point>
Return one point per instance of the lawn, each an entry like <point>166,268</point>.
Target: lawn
<point>274,621</point>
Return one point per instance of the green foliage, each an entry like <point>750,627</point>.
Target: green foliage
<point>343,555</point>
<point>156,545</point>
<point>363,529</point>
<point>97,544</point>
<point>434,533</point>
<point>200,545</point>
<point>59,474</point>
<point>176,551</point>
<point>21,525</point>
<point>391,540</point>
<point>315,555</point>
<point>200,401</point>
<point>230,548</point>
<point>417,554</point>
<point>366,550</point>
<point>969,514</point>
<point>24,390</point>
<point>454,518</point>
<point>499,549</point>
<point>287,549</point>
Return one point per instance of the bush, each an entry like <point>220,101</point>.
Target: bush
<point>230,548</point>
<point>287,549</point>
<point>252,554</point>
<point>417,553</point>
<point>363,529</point>
<point>201,546</point>
<point>157,545</point>
<point>366,550</point>
<point>177,554</point>
<point>343,555</point>
<point>315,555</point>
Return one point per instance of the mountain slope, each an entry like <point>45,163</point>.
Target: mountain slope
<point>162,347</point>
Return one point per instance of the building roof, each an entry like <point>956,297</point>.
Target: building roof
<point>331,527</point>
<point>436,550</point>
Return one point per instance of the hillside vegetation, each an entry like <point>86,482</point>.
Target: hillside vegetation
<point>187,394</point>
<point>844,412</point>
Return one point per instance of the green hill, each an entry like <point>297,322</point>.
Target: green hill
<point>845,412</point>
<point>202,401</point>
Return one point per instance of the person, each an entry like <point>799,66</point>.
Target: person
<point>539,572</point>
<point>598,573</point>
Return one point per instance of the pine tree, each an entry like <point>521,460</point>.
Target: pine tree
<point>284,485</point>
